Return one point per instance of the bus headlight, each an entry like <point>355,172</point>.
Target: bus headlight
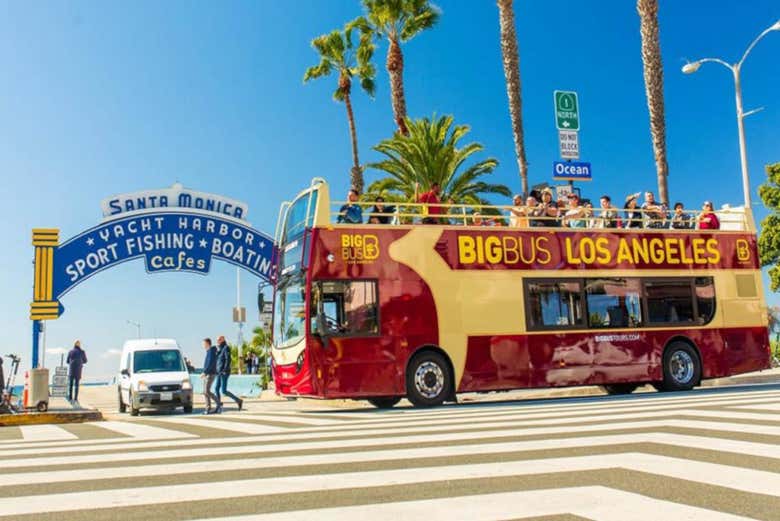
<point>299,363</point>
<point>186,385</point>
<point>142,386</point>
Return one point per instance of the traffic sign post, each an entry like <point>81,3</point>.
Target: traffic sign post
<point>569,144</point>
<point>567,112</point>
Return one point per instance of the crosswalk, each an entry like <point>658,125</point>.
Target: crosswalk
<point>709,455</point>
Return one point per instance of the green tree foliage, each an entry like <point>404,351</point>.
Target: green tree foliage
<point>432,153</point>
<point>339,55</point>
<point>769,240</point>
<point>398,21</point>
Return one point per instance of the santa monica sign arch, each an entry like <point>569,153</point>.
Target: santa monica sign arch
<point>172,230</point>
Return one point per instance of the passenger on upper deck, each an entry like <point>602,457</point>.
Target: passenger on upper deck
<point>680,219</point>
<point>655,212</point>
<point>633,215</point>
<point>477,220</point>
<point>381,214</point>
<point>518,214</point>
<point>547,209</point>
<point>431,210</point>
<point>575,214</point>
<point>608,217</point>
<point>707,219</point>
<point>351,213</point>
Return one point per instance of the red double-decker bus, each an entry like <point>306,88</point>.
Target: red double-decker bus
<point>386,311</point>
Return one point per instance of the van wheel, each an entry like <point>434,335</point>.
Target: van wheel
<point>122,407</point>
<point>188,409</point>
<point>133,410</point>
<point>428,380</point>
<point>682,367</point>
<point>616,389</point>
<point>384,402</point>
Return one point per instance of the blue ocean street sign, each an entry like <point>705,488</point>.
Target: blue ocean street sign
<point>572,170</point>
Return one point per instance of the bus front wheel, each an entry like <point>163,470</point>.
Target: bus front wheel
<point>682,367</point>
<point>384,402</point>
<point>428,380</point>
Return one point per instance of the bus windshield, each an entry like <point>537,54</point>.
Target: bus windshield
<point>297,219</point>
<point>290,313</point>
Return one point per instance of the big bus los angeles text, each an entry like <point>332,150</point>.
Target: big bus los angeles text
<point>426,311</point>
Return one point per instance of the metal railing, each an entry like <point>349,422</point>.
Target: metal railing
<point>730,219</point>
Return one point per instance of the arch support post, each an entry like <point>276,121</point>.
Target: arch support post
<point>44,305</point>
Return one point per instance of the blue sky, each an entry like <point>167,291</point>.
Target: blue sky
<point>99,98</point>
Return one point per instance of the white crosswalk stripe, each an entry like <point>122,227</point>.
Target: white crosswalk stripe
<point>588,502</point>
<point>485,461</point>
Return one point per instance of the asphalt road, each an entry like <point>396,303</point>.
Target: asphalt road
<point>710,454</point>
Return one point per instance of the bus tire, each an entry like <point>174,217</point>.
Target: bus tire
<point>682,367</point>
<point>428,379</point>
<point>384,402</point>
<point>617,389</point>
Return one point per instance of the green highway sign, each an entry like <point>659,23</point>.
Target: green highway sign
<point>567,116</point>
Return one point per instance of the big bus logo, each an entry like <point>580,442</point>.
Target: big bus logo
<point>743,250</point>
<point>359,248</point>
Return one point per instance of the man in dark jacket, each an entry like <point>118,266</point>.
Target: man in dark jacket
<point>76,360</point>
<point>209,375</point>
<point>223,373</point>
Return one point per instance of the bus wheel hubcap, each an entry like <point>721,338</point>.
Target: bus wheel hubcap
<point>681,366</point>
<point>429,379</point>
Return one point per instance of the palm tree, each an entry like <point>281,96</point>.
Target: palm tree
<point>430,154</point>
<point>338,54</point>
<point>511,58</point>
<point>399,21</point>
<point>654,88</point>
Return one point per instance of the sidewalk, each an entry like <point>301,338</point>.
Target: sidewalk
<point>103,399</point>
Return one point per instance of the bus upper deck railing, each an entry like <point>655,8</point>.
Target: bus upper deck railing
<point>728,218</point>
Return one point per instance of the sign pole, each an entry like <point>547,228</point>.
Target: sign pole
<point>35,341</point>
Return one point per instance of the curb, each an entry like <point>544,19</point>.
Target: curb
<point>44,418</point>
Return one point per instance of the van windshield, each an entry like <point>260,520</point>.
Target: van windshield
<point>158,361</point>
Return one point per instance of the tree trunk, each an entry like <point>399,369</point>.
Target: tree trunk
<point>654,88</point>
<point>511,59</point>
<point>395,68</point>
<point>356,173</point>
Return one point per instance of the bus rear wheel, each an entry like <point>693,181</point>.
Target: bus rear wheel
<point>384,402</point>
<point>613,389</point>
<point>428,380</point>
<point>682,367</point>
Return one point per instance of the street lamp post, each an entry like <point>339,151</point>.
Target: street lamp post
<point>691,67</point>
<point>137,326</point>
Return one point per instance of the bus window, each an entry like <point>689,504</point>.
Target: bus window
<point>705,299</point>
<point>553,304</point>
<point>350,307</point>
<point>669,301</point>
<point>614,302</point>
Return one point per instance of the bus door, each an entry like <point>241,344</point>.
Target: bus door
<point>622,352</point>
<point>357,360</point>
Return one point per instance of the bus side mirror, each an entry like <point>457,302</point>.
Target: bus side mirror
<point>125,372</point>
<point>322,328</point>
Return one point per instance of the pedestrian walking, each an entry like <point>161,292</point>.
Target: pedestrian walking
<point>223,374</point>
<point>209,375</point>
<point>76,360</point>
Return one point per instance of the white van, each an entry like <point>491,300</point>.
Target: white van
<point>152,375</point>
